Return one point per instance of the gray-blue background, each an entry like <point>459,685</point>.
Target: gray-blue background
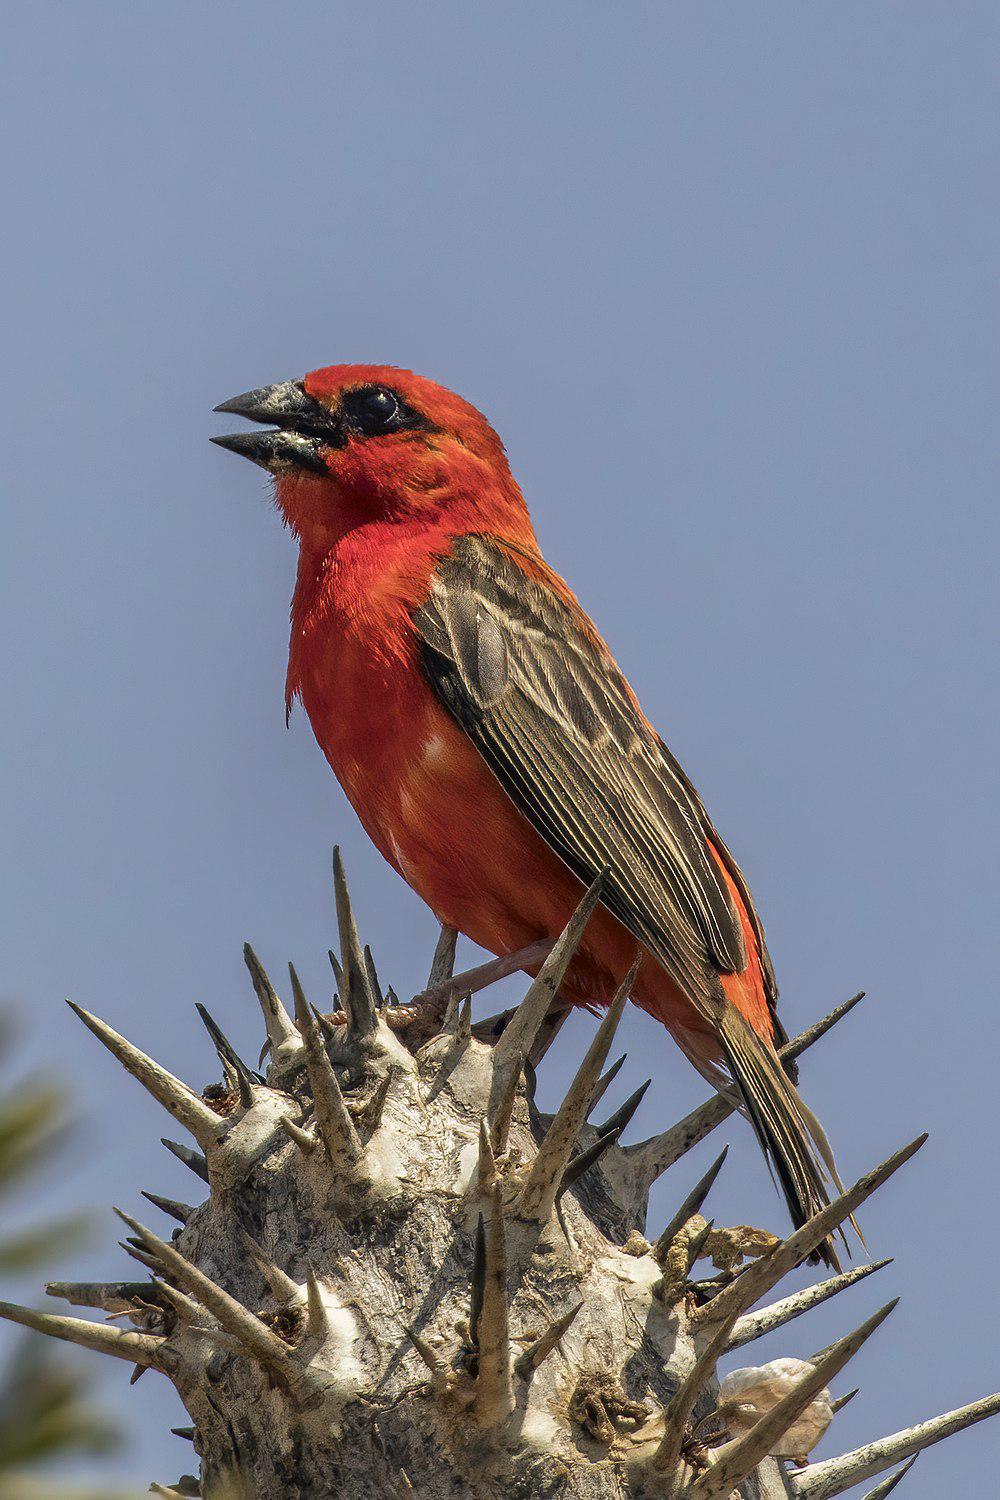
<point>724,277</point>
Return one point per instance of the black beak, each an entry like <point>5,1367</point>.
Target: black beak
<point>302,426</point>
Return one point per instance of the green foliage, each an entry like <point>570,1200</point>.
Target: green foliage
<point>44,1411</point>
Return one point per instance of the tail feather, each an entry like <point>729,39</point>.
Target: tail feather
<point>793,1140</point>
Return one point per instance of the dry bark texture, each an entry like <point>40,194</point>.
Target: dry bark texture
<point>405,1280</point>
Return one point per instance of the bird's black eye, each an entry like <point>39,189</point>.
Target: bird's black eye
<point>373,410</point>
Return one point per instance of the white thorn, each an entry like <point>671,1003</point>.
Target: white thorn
<point>486,1173</point>
<point>833,1476</point>
<point>302,1138</point>
<point>144,1349</point>
<point>538,1194</point>
<point>111,1296</point>
<point>735,1460</point>
<point>357,1000</point>
<point>543,1346</point>
<point>317,1322</point>
<point>606,1080</point>
<point>677,1413</point>
<point>278,1023</point>
<point>755,1325</point>
<point>193,1113</point>
<point>765,1273</point>
<point>430,1357</point>
<point>511,1050</point>
<point>280,1284</point>
<point>254,1337</point>
<point>334,1125</point>
<point>494,1398</point>
<point>443,962</point>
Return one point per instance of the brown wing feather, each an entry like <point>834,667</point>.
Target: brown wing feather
<point>540,696</point>
<point>554,718</point>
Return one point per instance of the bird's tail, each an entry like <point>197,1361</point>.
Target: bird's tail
<point>792,1138</point>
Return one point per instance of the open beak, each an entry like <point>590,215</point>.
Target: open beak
<point>300,428</point>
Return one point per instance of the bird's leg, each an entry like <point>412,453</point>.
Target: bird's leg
<point>427,1008</point>
<point>435,999</point>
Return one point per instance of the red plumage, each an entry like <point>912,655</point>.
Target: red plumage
<point>429,639</point>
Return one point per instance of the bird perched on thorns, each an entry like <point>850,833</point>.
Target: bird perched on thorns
<point>490,744</point>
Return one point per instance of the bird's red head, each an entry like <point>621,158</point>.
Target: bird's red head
<point>352,444</point>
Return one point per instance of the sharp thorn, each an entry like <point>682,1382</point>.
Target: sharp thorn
<point>799,1044</point>
<point>193,1113</point>
<point>888,1485</point>
<point>763,1274</point>
<point>305,1141</point>
<point>110,1296</point>
<point>586,1159</point>
<point>332,1033</point>
<point>187,1433</point>
<point>370,1117</point>
<point>652,1157</point>
<point>189,1157</point>
<point>677,1414</point>
<point>543,1346</point>
<point>478,1281</point>
<point>185,1307</point>
<point>832,1476</point>
<point>334,1125</point>
<point>606,1080</point>
<point>254,1336</point>
<point>124,1343</point>
<point>229,1056</point>
<point>512,1049</point>
<point>427,1354</point>
<point>149,1261</point>
<point>737,1459</point>
<point>697,1243</point>
<point>280,1284</point>
<point>358,999</point>
<point>692,1205</point>
<point>449,1021</point>
<point>338,973</point>
<point>170,1206</point>
<point>755,1325</point>
<point>277,1021</point>
<point>494,1399</point>
<point>538,1195</point>
<point>317,1323</point>
<point>463,1026</point>
<point>842,1401</point>
<point>486,1173</point>
<point>622,1117</point>
<point>443,962</point>
<point>372,973</point>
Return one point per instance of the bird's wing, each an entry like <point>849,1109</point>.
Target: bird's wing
<point>512,657</point>
<point>523,672</point>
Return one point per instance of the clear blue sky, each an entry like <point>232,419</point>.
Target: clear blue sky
<point>724,277</point>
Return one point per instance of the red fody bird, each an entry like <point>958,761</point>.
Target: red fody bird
<point>487,739</point>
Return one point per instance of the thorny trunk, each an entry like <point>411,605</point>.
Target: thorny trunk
<point>404,1279</point>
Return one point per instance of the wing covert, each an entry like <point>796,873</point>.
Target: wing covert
<point>540,696</point>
